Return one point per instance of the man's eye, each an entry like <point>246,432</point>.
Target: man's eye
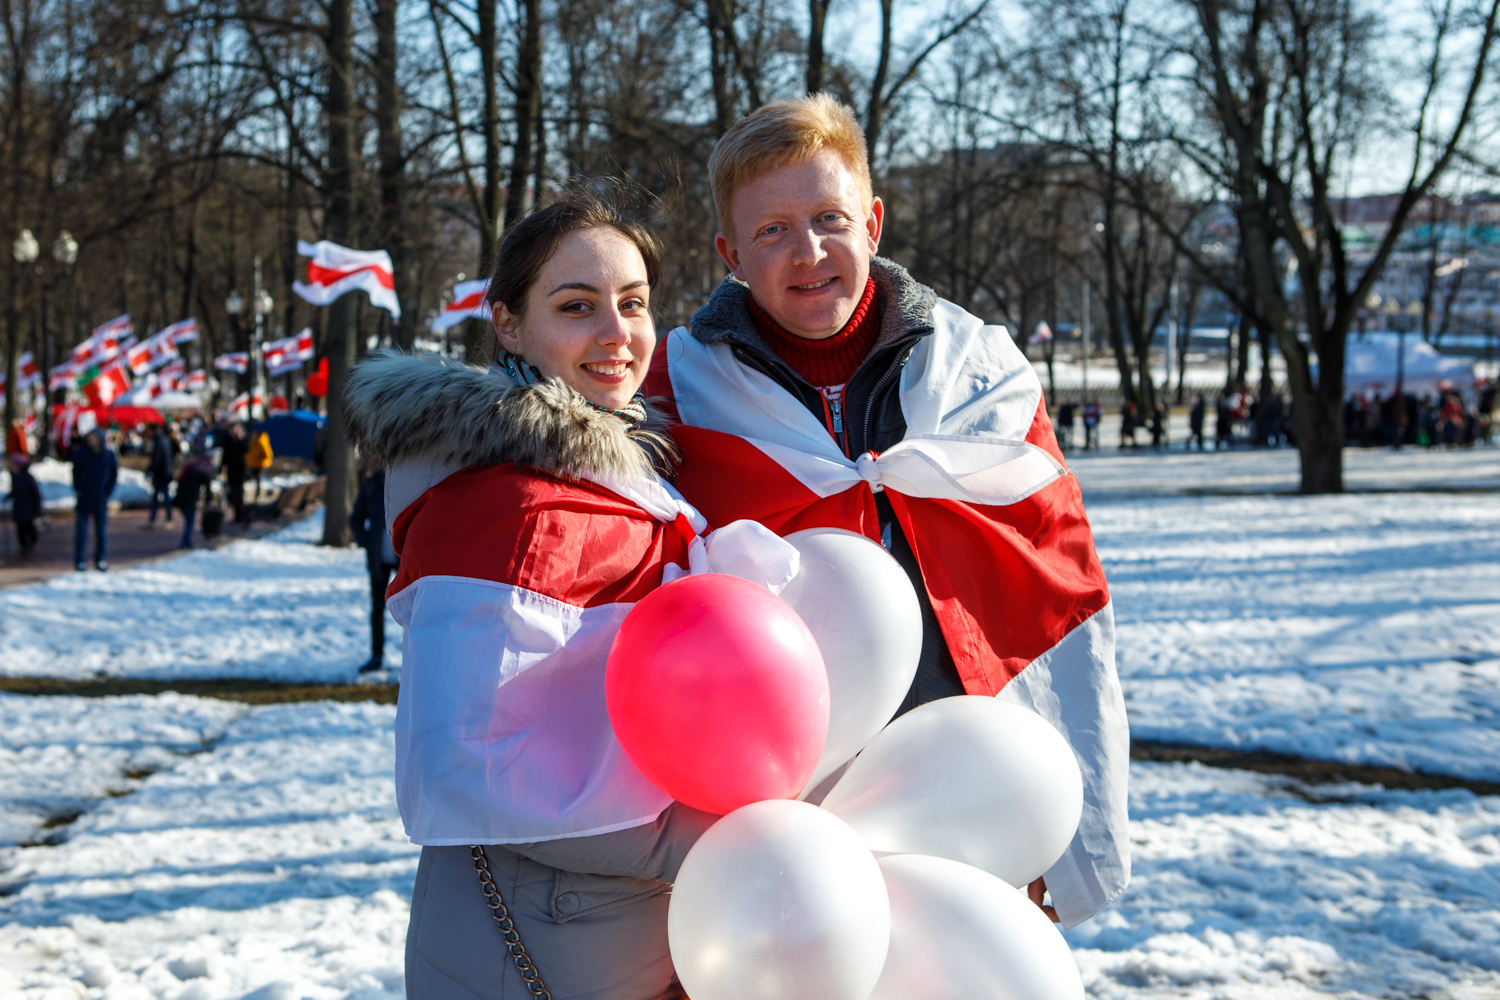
<point>829,217</point>
<point>772,230</point>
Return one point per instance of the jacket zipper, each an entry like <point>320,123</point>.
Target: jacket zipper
<point>897,363</point>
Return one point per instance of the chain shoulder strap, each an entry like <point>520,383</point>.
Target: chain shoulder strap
<point>507,927</point>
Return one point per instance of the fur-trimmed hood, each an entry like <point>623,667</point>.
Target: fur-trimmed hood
<point>403,408</point>
<point>905,310</point>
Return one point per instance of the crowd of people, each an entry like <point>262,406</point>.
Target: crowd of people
<point>1443,421</point>
<point>185,461</point>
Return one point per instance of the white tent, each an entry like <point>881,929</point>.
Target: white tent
<point>176,401</point>
<point>1370,368</point>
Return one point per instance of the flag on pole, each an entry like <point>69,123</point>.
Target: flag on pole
<point>105,385</point>
<point>246,406</point>
<point>170,377</point>
<point>195,381</point>
<point>155,351</point>
<point>62,376</point>
<point>468,303</point>
<point>287,355</point>
<point>102,344</point>
<point>1041,334</point>
<point>27,372</point>
<point>181,332</point>
<point>335,270</point>
<point>238,361</point>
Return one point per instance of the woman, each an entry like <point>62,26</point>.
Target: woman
<point>518,563</point>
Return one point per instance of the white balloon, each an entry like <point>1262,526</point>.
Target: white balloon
<point>779,901</point>
<point>860,606</point>
<point>961,934</point>
<point>972,779</point>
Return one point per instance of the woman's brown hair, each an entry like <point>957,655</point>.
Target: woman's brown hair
<point>530,243</point>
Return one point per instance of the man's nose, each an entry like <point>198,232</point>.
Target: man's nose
<point>808,249</point>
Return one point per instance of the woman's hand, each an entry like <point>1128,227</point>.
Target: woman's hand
<point>1036,891</point>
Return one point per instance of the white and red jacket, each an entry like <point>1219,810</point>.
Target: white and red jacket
<point>988,506</point>
<point>528,525</point>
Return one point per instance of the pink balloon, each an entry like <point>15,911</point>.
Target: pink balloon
<point>717,693</point>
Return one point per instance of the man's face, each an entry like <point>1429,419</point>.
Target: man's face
<point>803,239</point>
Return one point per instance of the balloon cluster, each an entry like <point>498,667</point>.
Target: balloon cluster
<point>904,882</point>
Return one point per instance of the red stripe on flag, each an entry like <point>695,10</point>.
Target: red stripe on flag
<point>327,276</point>
<point>466,303</point>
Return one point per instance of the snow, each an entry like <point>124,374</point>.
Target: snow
<point>1242,887</point>
<point>55,480</point>
<point>280,607</point>
<point>273,865</point>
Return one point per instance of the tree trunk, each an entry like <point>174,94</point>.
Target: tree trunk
<point>393,227</point>
<point>528,108</point>
<point>493,221</point>
<point>720,56</point>
<point>338,222</point>
<point>875,110</point>
<point>817,15</point>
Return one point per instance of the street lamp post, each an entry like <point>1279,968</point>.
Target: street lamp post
<point>65,253</point>
<point>25,250</point>
<point>234,304</point>
<point>261,305</point>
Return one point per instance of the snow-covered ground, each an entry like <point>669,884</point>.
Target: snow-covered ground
<point>270,866</point>
<point>279,607</point>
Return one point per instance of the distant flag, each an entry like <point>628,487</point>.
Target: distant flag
<point>238,361</point>
<point>335,270</point>
<point>195,381</point>
<point>170,377</point>
<point>27,372</point>
<point>246,406</point>
<point>181,332</point>
<point>468,303</point>
<point>155,351</point>
<point>102,344</point>
<point>287,355</point>
<point>1041,334</point>
<point>62,376</point>
<point>107,384</point>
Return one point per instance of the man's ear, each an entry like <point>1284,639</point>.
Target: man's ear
<point>728,254</point>
<point>874,224</point>
<point>507,327</point>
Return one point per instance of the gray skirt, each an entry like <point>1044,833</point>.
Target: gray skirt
<point>591,911</point>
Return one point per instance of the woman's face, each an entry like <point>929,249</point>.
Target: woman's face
<point>587,319</point>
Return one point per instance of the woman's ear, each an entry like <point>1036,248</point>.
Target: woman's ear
<point>507,327</point>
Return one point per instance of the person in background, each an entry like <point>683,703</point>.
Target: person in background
<point>1129,419</point>
<point>95,470</point>
<point>196,478</point>
<point>1091,414</point>
<point>1159,418</point>
<point>371,533</point>
<point>25,502</point>
<point>1223,423</point>
<point>16,445</point>
<point>1065,426</point>
<point>236,448</point>
<point>1195,422</point>
<point>163,451</point>
<point>259,458</point>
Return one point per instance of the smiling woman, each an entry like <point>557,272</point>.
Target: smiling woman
<point>527,508</point>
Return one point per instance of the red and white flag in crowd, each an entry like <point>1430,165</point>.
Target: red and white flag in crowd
<point>170,377</point>
<point>155,351</point>
<point>102,344</point>
<point>1041,334</point>
<point>238,361</point>
<point>287,355</point>
<point>195,381</point>
<point>246,406</point>
<point>63,376</point>
<point>181,332</point>
<point>112,382</point>
<point>27,372</point>
<point>335,270</point>
<point>468,303</point>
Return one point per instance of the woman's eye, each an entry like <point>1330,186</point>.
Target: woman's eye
<point>576,306</point>
<point>632,304</point>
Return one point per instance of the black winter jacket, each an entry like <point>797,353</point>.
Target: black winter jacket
<point>25,496</point>
<point>94,475</point>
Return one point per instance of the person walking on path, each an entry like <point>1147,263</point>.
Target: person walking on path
<point>95,471</point>
<point>236,448</point>
<point>259,458</point>
<point>1223,423</point>
<point>1195,423</point>
<point>25,502</point>
<point>163,451</point>
<point>368,525</point>
<point>1065,426</point>
<point>1128,422</point>
<point>196,478</point>
<point>1159,418</point>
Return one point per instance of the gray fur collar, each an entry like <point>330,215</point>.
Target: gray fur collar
<point>401,407</point>
<point>905,310</point>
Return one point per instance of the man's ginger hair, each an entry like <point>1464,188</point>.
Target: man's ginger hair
<point>783,134</point>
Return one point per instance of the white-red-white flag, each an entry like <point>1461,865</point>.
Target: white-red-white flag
<point>27,372</point>
<point>155,351</point>
<point>112,382</point>
<point>288,354</point>
<point>195,381</point>
<point>170,377</point>
<point>1041,334</point>
<point>181,332</point>
<point>468,303</point>
<point>103,343</point>
<point>335,270</point>
<point>237,361</point>
<point>63,376</point>
<point>245,405</point>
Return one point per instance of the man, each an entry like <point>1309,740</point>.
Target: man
<point>236,448</point>
<point>1092,413</point>
<point>1195,422</point>
<point>822,386</point>
<point>1065,426</point>
<point>25,502</point>
<point>367,525</point>
<point>95,469</point>
<point>161,469</point>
